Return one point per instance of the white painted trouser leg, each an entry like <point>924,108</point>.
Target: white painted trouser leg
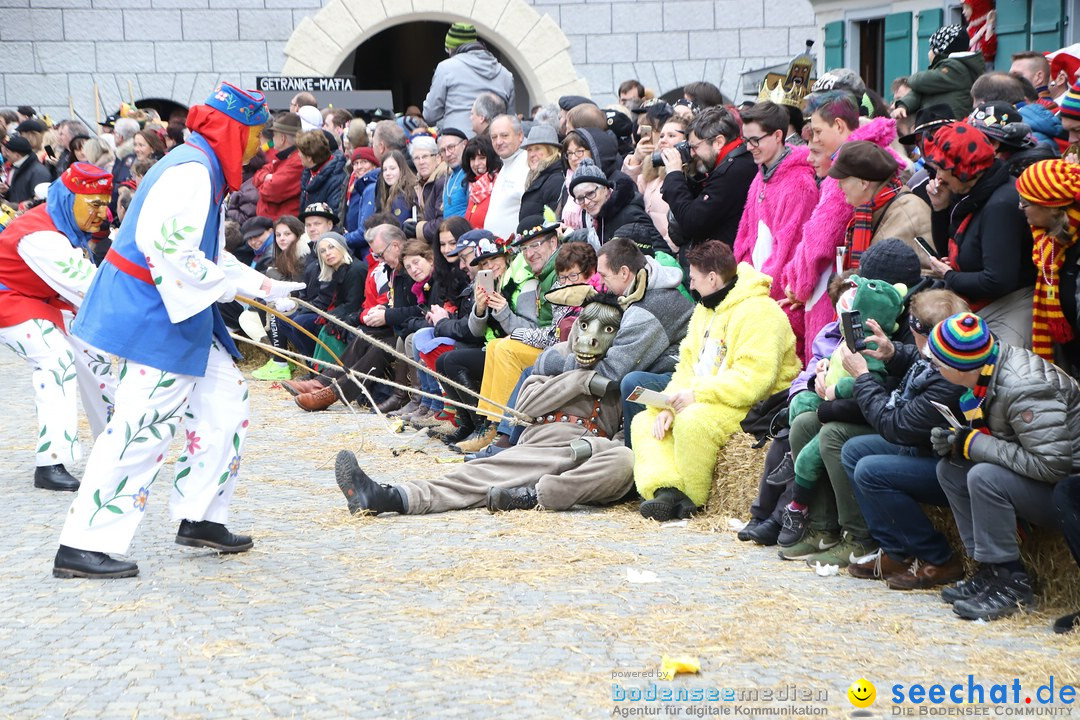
<point>63,366</point>
<point>128,456</point>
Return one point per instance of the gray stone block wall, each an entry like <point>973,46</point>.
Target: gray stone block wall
<point>178,49</point>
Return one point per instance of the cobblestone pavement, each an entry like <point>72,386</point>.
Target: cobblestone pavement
<point>461,615</point>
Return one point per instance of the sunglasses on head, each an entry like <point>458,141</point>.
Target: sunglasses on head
<point>917,325</point>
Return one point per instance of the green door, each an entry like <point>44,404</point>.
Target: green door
<point>897,47</point>
<point>929,22</point>
<point>1012,30</point>
<point>1047,28</point>
<point>834,45</point>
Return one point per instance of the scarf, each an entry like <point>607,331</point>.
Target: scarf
<point>1049,325</point>
<point>860,229</point>
<point>60,205</point>
<point>420,289</point>
<point>725,150</point>
<point>971,402</point>
<point>480,189</point>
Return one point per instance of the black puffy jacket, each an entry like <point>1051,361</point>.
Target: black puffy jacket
<point>325,185</point>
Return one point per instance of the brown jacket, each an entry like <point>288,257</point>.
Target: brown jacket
<point>906,217</point>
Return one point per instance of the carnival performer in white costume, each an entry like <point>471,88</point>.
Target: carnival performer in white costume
<point>153,304</point>
<point>45,272</point>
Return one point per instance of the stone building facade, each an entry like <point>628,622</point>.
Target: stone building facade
<point>52,52</point>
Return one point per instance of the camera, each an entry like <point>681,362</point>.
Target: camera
<point>684,153</point>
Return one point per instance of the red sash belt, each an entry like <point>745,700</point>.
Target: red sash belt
<point>129,268</point>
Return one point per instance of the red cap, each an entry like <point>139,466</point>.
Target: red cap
<point>86,179</point>
<point>367,154</point>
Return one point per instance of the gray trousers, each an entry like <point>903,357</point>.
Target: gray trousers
<point>542,459</point>
<point>986,500</point>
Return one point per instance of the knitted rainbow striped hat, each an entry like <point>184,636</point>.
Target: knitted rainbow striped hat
<point>1070,102</point>
<point>962,342</point>
<point>1050,183</point>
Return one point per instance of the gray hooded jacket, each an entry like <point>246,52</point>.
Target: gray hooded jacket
<point>457,82</point>
<point>648,337</point>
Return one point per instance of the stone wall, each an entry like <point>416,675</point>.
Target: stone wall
<point>178,49</point>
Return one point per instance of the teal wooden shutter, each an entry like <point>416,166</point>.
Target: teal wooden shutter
<point>1012,30</point>
<point>834,45</point>
<point>1047,27</point>
<point>897,47</point>
<point>929,22</point>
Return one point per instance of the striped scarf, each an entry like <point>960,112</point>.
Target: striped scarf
<point>860,229</point>
<point>1049,324</point>
<point>971,402</point>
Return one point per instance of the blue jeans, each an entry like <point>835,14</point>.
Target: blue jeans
<point>429,385</point>
<point>505,428</point>
<point>889,485</point>
<point>303,344</point>
<point>648,380</point>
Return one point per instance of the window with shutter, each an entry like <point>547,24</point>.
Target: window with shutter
<point>834,45</point>
<point>929,22</point>
<point>897,48</point>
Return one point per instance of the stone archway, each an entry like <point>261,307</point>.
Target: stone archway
<point>321,43</point>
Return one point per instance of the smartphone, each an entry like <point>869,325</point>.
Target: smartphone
<point>644,130</point>
<point>852,328</point>
<point>486,279</point>
<point>926,246</point>
<point>50,152</point>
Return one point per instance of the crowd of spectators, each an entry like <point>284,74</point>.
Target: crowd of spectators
<point>742,241</point>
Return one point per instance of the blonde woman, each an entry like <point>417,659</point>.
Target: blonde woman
<point>543,184</point>
<point>649,178</point>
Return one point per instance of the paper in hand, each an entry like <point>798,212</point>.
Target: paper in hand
<point>947,414</point>
<point>644,396</point>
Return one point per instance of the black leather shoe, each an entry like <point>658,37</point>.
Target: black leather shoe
<point>744,534</point>
<point>216,536</point>
<point>1067,623</point>
<point>55,477</point>
<point>460,434</point>
<point>668,503</point>
<point>74,563</point>
<point>503,499</point>
<point>766,533</point>
<point>363,494</point>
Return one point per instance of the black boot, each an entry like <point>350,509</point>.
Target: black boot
<point>398,397</point>
<point>1067,623</point>
<point>668,503</point>
<point>55,477</point>
<point>74,563</point>
<point>363,494</point>
<point>203,533</point>
<point>744,534</point>
<point>519,498</point>
<point>466,419</point>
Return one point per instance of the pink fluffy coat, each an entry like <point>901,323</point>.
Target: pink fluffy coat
<point>783,204</point>
<point>824,232</point>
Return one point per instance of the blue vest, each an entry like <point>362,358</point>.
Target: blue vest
<point>123,313</point>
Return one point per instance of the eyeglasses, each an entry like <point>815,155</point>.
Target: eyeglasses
<point>699,143</point>
<point>586,196</point>
<point>570,277</point>
<point>1024,204</point>
<point>580,152</point>
<point>447,149</point>
<point>917,325</point>
<point>423,156</point>
<point>754,142</point>
<point>378,255</point>
<point>534,245</point>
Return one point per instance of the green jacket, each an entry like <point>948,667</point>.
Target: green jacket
<point>948,81</point>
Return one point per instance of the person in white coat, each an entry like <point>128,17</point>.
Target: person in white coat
<point>504,207</point>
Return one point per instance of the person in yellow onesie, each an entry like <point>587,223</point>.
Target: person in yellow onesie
<point>738,350</point>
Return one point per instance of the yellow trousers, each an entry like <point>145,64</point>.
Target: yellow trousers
<point>504,361</point>
<point>686,458</point>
